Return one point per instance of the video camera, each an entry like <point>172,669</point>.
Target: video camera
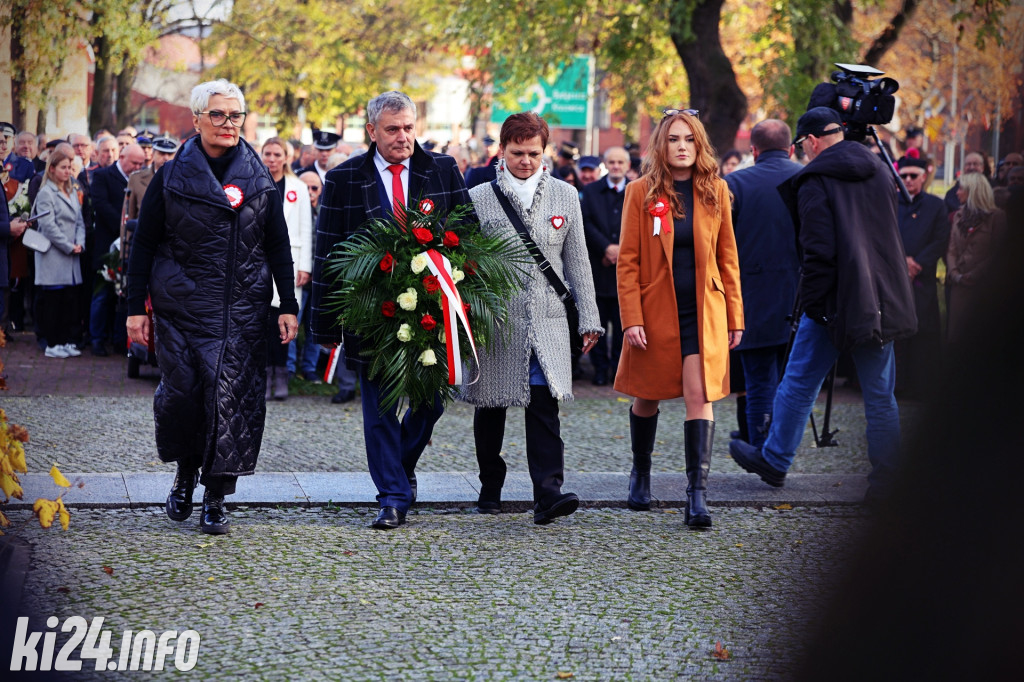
<point>859,100</point>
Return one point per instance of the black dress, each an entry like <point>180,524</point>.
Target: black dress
<point>684,271</point>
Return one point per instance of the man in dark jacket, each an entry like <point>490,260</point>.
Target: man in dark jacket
<point>769,268</point>
<point>9,228</point>
<point>487,171</point>
<point>602,216</point>
<point>107,195</point>
<point>855,295</point>
<point>369,187</point>
<point>924,229</point>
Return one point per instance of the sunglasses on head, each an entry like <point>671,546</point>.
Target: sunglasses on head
<point>672,112</point>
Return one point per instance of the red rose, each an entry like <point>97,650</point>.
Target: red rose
<point>451,239</point>
<point>428,322</point>
<point>387,309</point>
<point>431,284</point>
<point>423,235</point>
<point>469,267</point>
<point>387,263</point>
<point>465,309</point>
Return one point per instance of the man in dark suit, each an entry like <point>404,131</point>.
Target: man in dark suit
<point>924,229</point>
<point>769,268</point>
<point>367,187</point>
<point>602,215</point>
<point>107,195</point>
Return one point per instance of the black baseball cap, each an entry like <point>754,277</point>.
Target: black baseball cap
<point>817,121</point>
<point>589,162</point>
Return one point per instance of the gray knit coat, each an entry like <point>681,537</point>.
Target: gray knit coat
<point>536,315</point>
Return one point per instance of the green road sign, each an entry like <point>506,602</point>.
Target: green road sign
<point>564,103</point>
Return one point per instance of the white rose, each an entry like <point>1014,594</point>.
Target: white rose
<point>458,275</point>
<point>419,263</point>
<point>441,336</point>
<point>404,333</point>
<point>428,358</point>
<point>407,301</point>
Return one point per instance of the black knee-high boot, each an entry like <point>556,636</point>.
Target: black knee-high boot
<point>488,433</point>
<point>699,434</point>
<point>179,500</point>
<point>642,431</point>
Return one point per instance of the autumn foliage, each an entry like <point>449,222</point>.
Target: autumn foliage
<point>12,462</point>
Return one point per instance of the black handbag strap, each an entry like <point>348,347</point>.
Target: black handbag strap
<point>556,282</point>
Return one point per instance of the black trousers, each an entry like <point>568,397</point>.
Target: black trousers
<point>544,446</point>
<point>56,309</point>
<point>277,352</point>
<point>602,357</point>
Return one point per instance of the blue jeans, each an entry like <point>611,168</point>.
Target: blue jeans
<point>310,349</point>
<point>100,312</point>
<point>810,360</point>
<point>762,370</point>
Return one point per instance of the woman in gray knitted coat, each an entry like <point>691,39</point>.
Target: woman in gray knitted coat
<point>532,367</point>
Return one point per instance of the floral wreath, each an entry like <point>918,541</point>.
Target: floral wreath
<point>418,297</point>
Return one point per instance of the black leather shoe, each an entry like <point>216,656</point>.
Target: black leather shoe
<point>563,505</point>
<point>751,460</point>
<point>488,507</point>
<point>600,378</point>
<point>214,521</point>
<point>342,397</point>
<point>389,518</point>
<point>179,500</point>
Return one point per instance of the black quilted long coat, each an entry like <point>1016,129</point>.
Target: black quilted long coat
<point>211,288</point>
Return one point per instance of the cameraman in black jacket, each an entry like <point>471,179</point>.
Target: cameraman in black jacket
<point>855,295</point>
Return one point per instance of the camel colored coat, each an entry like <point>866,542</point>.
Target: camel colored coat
<point>647,297</point>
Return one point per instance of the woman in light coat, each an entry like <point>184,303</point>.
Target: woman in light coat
<point>677,261</point>
<point>533,366</point>
<point>58,271</point>
<point>295,199</point>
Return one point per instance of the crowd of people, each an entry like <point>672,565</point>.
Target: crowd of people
<point>774,270</point>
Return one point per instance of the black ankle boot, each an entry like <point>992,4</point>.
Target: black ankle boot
<point>214,521</point>
<point>743,432</point>
<point>179,500</point>
<point>642,431</point>
<point>699,434</point>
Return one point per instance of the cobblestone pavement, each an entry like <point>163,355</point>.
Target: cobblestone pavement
<point>312,594</point>
<point>104,434</point>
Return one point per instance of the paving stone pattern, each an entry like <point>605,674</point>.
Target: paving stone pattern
<point>604,595</point>
<point>103,434</point>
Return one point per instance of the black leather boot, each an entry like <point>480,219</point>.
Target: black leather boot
<point>179,500</point>
<point>642,431</point>
<point>743,432</point>
<point>280,383</point>
<point>699,434</point>
<point>214,521</point>
<point>488,434</point>
<point>269,392</point>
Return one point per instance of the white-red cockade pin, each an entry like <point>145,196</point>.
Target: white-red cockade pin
<point>234,194</point>
<point>426,206</point>
<point>291,196</point>
<point>557,222</point>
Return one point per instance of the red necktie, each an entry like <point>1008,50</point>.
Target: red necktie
<point>397,194</point>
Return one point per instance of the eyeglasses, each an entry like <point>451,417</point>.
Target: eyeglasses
<point>219,118</point>
<point>672,112</point>
<point>911,176</point>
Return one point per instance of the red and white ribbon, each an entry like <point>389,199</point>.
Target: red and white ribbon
<point>451,304</point>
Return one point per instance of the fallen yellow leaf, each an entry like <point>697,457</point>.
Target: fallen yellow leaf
<point>62,511</point>
<point>45,510</point>
<point>4,521</point>
<point>210,579</point>
<point>720,652</point>
<point>564,676</point>
<point>58,477</point>
<point>783,506</point>
<point>739,544</point>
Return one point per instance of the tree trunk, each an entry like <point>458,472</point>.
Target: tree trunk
<point>124,79</point>
<point>713,87</point>
<point>41,121</point>
<point>891,34</point>
<point>18,93</point>
<point>101,111</point>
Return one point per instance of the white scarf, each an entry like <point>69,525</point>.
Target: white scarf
<point>524,189</point>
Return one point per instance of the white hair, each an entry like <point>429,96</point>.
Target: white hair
<point>392,101</point>
<point>202,93</point>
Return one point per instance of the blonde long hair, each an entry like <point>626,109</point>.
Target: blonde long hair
<point>56,155</point>
<point>288,150</point>
<point>658,173</point>
<point>979,192</point>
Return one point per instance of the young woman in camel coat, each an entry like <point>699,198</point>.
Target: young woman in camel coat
<point>692,279</point>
